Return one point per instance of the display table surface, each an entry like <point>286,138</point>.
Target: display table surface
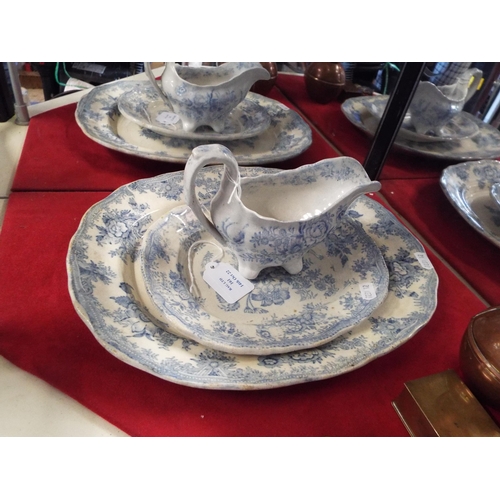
<point>43,335</point>
<point>55,139</point>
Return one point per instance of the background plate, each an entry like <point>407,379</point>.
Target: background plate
<point>485,144</point>
<point>98,116</point>
<point>467,186</point>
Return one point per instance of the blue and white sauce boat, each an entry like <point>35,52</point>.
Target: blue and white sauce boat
<point>432,107</point>
<point>206,95</point>
<point>274,219</point>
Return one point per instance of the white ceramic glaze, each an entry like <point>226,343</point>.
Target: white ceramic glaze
<point>434,106</point>
<point>274,219</point>
<point>484,144</point>
<point>468,187</point>
<point>142,106</point>
<point>205,95</point>
<point>283,312</point>
<point>461,126</point>
<point>99,118</point>
<point>495,193</point>
<point>103,288</point>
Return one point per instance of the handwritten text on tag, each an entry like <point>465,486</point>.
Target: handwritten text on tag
<point>367,291</point>
<point>227,281</point>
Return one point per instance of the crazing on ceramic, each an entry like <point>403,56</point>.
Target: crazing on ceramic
<point>283,313</point>
<point>98,116</point>
<point>205,95</point>
<point>459,127</point>
<point>434,106</point>
<point>142,106</point>
<point>274,219</point>
<point>484,144</point>
<point>468,187</point>
<point>102,286</point>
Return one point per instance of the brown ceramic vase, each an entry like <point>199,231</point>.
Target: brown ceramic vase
<point>480,357</point>
<point>324,81</point>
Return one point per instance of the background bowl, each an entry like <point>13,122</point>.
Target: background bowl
<point>324,81</point>
<point>263,87</point>
<point>480,356</point>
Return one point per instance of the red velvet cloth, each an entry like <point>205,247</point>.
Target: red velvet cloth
<point>351,141</point>
<point>424,205</point>
<point>41,333</point>
<point>58,156</point>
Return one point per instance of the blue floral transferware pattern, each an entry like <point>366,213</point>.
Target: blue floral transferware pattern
<point>143,106</point>
<point>432,106</point>
<point>467,186</point>
<point>205,95</point>
<point>459,127</point>
<point>273,220</point>
<point>283,313</point>
<point>98,116</point>
<point>103,289</point>
<point>484,144</point>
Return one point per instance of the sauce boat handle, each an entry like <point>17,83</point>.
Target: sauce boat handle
<point>211,154</point>
<point>154,82</point>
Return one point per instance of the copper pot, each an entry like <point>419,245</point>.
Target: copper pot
<point>324,81</point>
<point>264,86</point>
<point>480,356</point>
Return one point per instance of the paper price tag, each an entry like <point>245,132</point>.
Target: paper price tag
<point>423,260</point>
<point>166,118</point>
<point>367,291</point>
<point>227,281</point>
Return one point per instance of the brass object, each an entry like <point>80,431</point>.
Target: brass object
<point>324,81</point>
<point>264,86</point>
<point>441,405</point>
<point>480,356</point>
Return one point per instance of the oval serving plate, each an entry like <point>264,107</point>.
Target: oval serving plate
<point>485,144</point>
<point>468,187</point>
<point>98,116</point>
<point>459,127</point>
<point>102,285</point>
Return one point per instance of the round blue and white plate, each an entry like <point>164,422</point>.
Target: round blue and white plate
<point>143,106</point>
<point>103,287</point>
<point>283,312</point>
